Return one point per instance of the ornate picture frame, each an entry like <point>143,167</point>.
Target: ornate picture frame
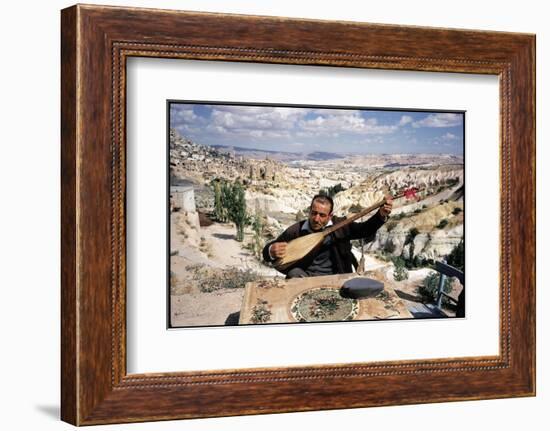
<point>96,41</point>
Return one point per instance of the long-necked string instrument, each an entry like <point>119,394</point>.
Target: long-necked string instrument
<point>300,247</point>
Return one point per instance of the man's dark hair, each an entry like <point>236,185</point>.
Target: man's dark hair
<point>324,199</point>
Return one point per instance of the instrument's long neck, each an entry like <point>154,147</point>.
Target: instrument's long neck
<point>360,214</point>
<point>354,217</point>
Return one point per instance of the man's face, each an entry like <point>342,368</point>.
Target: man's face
<point>319,215</point>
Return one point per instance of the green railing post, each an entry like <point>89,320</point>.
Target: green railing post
<point>440,289</point>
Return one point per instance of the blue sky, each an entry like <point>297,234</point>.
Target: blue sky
<point>319,129</point>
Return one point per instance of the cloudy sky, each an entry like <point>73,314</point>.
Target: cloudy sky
<point>319,129</point>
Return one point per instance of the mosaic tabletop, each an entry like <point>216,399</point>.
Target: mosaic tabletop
<point>317,299</point>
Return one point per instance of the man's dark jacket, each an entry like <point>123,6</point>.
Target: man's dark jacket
<point>342,258</point>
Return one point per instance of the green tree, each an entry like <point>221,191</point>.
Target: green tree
<point>332,190</point>
<point>235,204</point>
<point>219,210</point>
<point>226,197</point>
<point>230,205</point>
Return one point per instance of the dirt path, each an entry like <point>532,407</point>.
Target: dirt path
<point>225,250</point>
<point>213,247</point>
<point>206,309</point>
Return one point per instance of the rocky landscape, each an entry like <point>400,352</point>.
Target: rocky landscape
<point>278,188</point>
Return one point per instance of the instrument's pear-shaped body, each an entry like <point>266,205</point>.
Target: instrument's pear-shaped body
<point>298,249</point>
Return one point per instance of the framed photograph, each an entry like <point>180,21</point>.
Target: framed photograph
<point>247,180</point>
<point>253,205</point>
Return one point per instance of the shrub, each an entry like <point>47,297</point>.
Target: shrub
<point>332,191</point>
<point>444,222</point>
<point>355,208</point>
<point>391,225</point>
<point>457,210</point>
<point>210,279</point>
<point>400,272</point>
<point>456,256</point>
<point>416,261</point>
<point>382,256</point>
<point>419,262</point>
<point>430,285</point>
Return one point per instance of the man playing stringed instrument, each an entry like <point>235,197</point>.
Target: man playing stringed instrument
<point>331,254</point>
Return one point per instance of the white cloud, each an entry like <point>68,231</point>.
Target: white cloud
<point>449,137</point>
<point>181,116</point>
<point>405,119</point>
<point>260,122</point>
<point>333,123</point>
<point>439,120</point>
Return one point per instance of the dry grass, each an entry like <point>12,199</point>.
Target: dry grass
<point>210,279</point>
<point>206,247</point>
<point>177,287</point>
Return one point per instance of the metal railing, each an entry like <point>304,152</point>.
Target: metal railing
<point>445,271</point>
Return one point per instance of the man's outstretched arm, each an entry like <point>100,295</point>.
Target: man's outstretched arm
<point>367,229</point>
